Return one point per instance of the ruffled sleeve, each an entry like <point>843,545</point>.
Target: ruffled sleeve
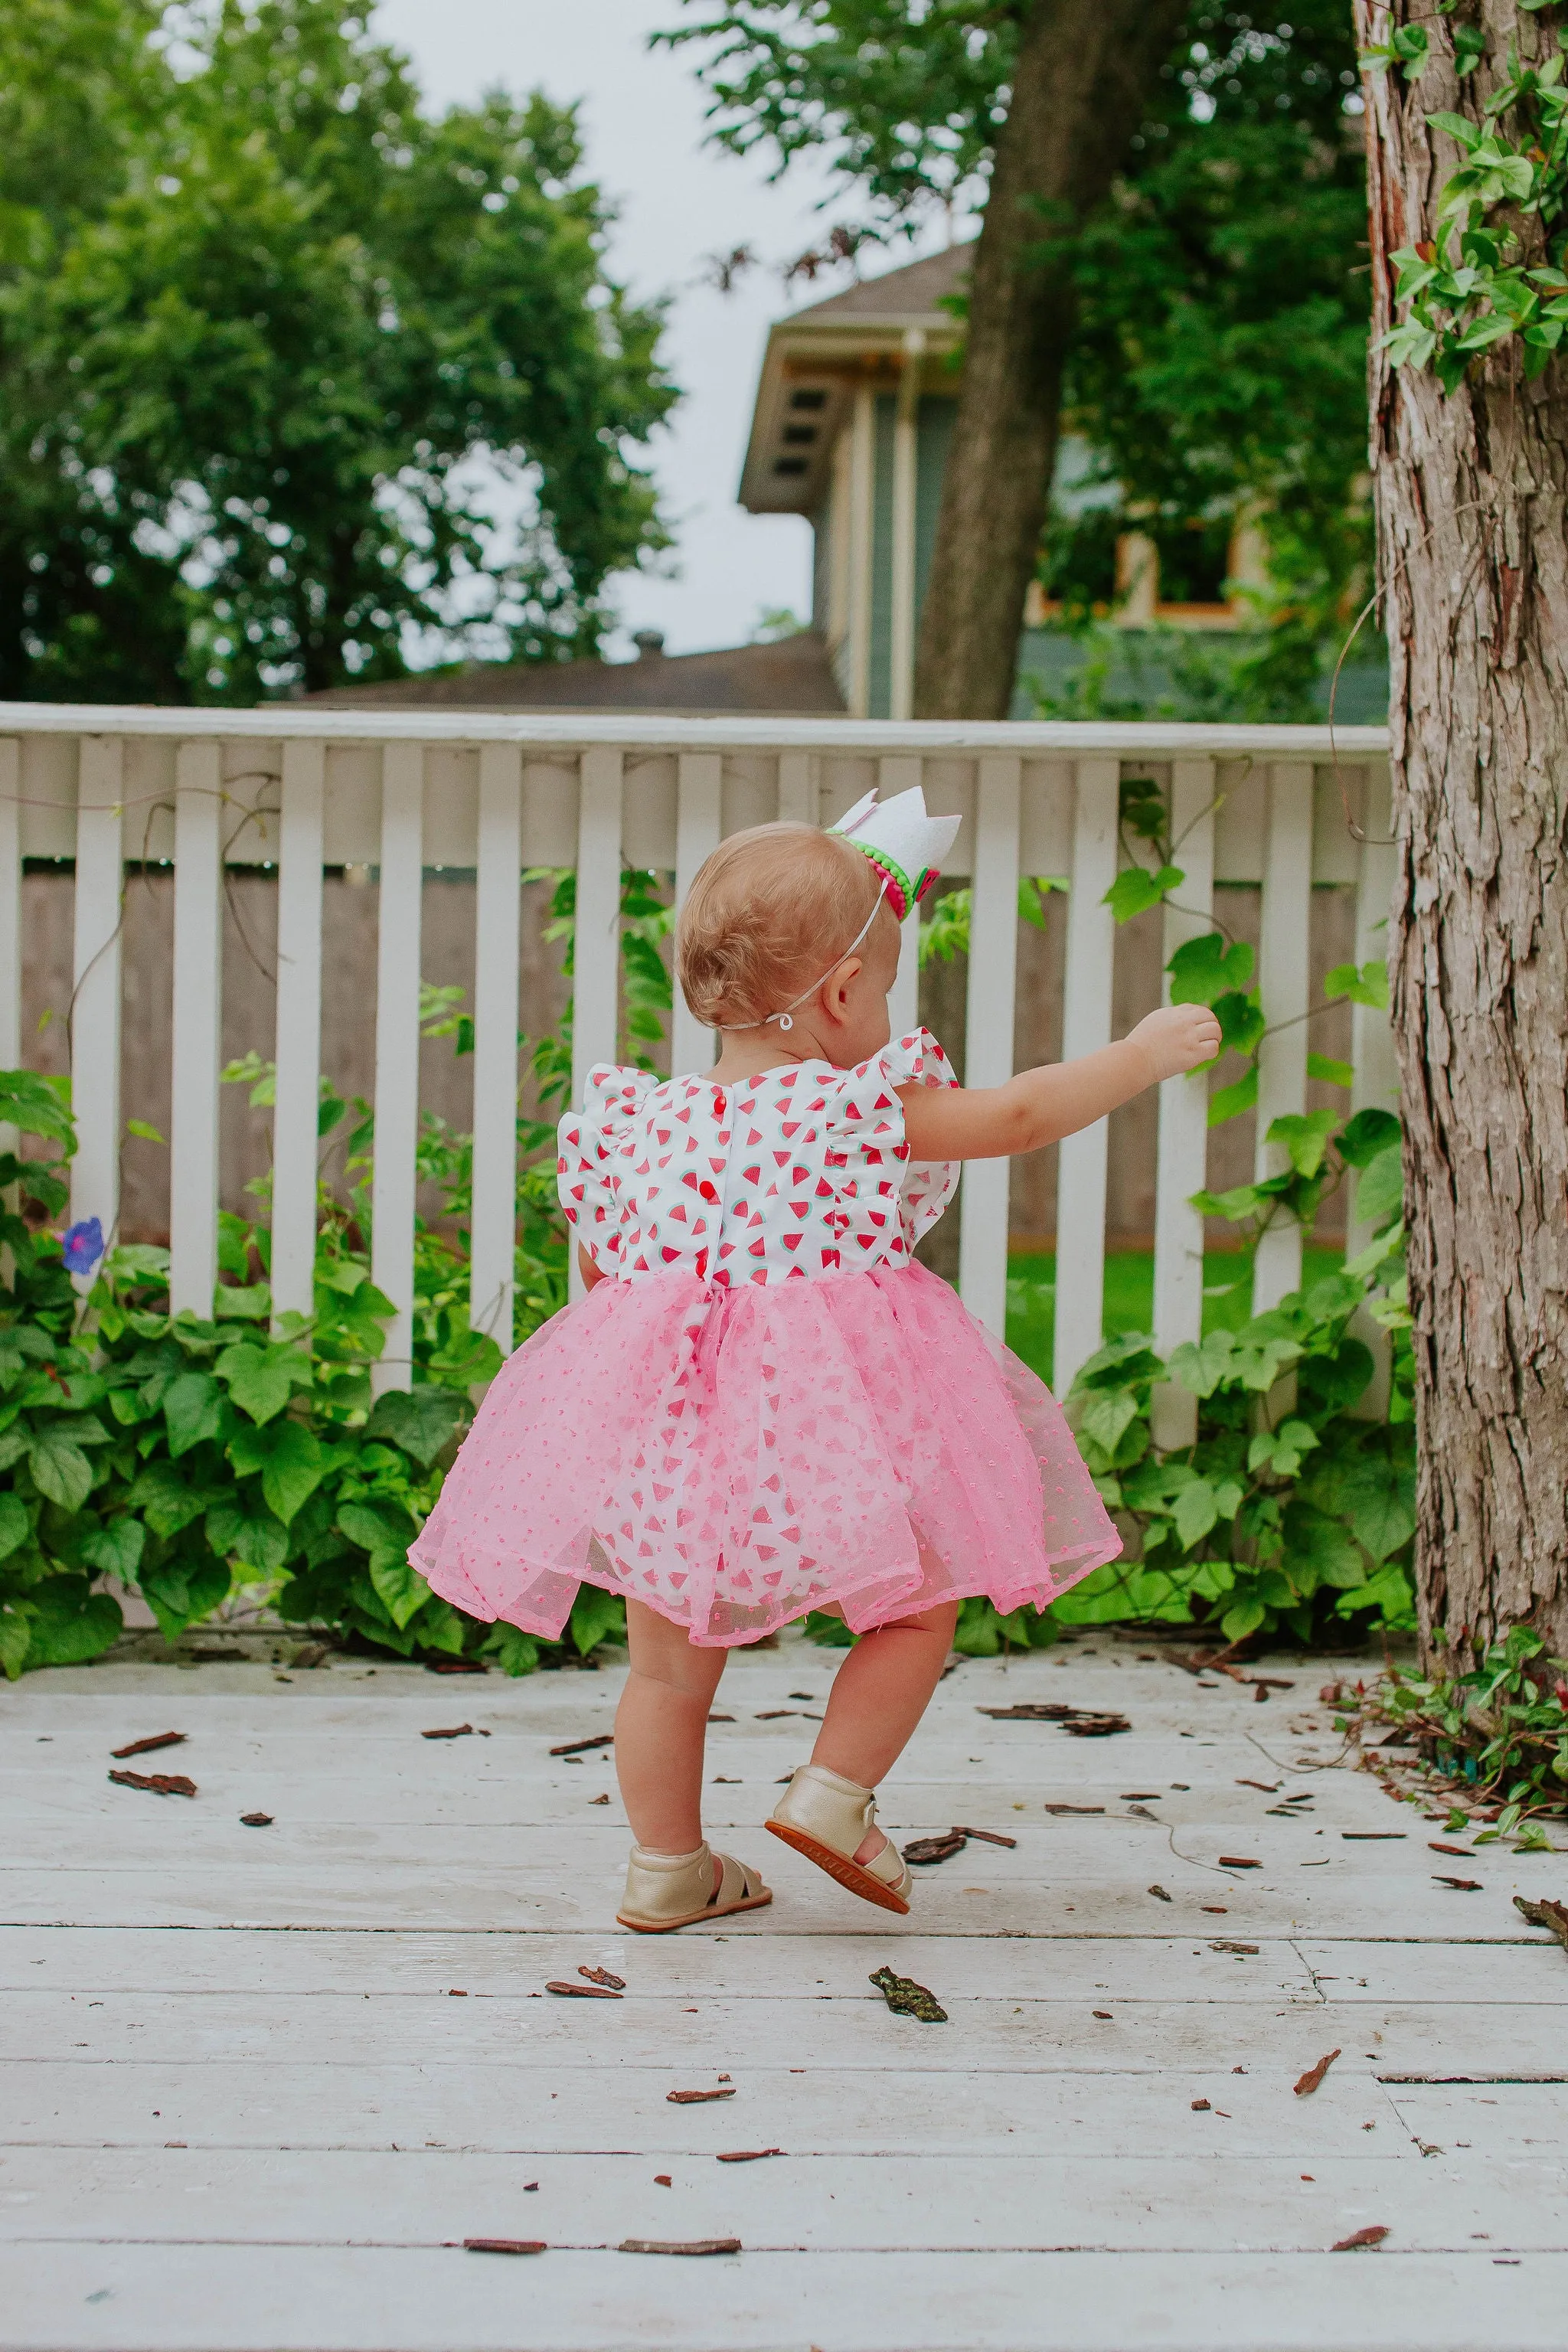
<point>592,1159</point>
<point>927,1185</point>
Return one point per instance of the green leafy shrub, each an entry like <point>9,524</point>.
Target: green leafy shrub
<point>1501,1728</point>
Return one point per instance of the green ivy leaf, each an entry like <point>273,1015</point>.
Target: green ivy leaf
<point>1243,1617</point>
<point>15,1527</point>
<point>250,1301</point>
<point>1304,1139</point>
<point>376,1527</point>
<point>1363,984</point>
<point>1380,1190</point>
<point>1200,1366</point>
<point>1230,1102</point>
<point>1107,1415</point>
<point>1135,890</point>
<point>16,1639</point>
<point>165,1501</point>
<point>1203,970</point>
<point>1195,1512</point>
<point>117,1549</point>
<point>192,1408</point>
<point>1321,1547</point>
<point>595,1615</point>
<point>399,1586</point>
<point>1330,1073</point>
<point>70,1623</point>
<point>1363,1138</point>
<point>515,1651</point>
<point>184,1592</point>
<point>60,1467</point>
<point>421,1420</point>
<point>291,1458</point>
<point>254,1539</point>
<point>1377,1493</point>
<point>259,1380</point>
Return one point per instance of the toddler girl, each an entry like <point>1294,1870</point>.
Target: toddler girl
<point>765,1405</point>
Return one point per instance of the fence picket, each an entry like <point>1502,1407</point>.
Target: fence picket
<point>498,911</point>
<point>393,1186</point>
<point>95,995</point>
<point>988,1032</point>
<point>10,943</point>
<point>1283,980</point>
<point>1376,1086</point>
<point>197,1027</point>
<point>700,778</point>
<point>10,912</point>
<point>797,788</point>
<point>900,774</point>
<point>596,955</point>
<point>1184,1115</point>
<point>1086,1025</point>
<point>298,1049</point>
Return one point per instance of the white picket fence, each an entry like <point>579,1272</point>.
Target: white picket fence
<point>304,789</point>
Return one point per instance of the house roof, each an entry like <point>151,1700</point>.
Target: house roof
<point>817,359</point>
<point>791,678</point>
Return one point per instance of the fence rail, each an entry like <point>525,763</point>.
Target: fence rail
<point>305,790</point>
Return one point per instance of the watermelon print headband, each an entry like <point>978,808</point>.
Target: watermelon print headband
<point>905,845</point>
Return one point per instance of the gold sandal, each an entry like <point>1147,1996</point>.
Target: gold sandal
<point>825,1816</point>
<point>676,1890</point>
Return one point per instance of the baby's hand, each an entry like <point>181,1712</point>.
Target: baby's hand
<point>1176,1038</point>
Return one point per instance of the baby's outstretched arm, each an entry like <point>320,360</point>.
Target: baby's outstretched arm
<point>1039,1106</point>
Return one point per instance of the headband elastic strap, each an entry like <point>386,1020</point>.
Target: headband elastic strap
<point>785,1019</point>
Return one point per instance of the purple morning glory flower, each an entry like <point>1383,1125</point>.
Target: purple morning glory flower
<point>82,1246</point>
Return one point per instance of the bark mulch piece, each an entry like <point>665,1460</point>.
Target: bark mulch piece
<point>718,1718</point>
<point>1239,1862</point>
<point>1081,1722</point>
<point>946,1843</point>
<point>1270,1787</point>
<point>1554,1916</point>
<point>773,1714</point>
<point>145,1747</point>
<point>1075,1809</point>
<point>256,1821</point>
<point>1461,1885</point>
<point>1371,1837</point>
<point>1160,1892</point>
<point>582,1991</point>
<point>1373,2235</point>
<point>504,2245</point>
<point>1314,2075</point>
<point>697,2098</point>
<point>452,1667</point>
<point>453,1731</point>
<point>160,1784</point>
<point>1438,1846</point>
<point>907,1998</point>
<point>747,2155</point>
<point>602,1977</point>
<point>680,2246</point>
<point>581,1746</point>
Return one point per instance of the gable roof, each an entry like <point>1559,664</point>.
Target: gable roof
<point>791,678</point>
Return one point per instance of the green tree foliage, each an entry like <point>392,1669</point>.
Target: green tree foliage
<point>1220,345</point>
<point>259,315</point>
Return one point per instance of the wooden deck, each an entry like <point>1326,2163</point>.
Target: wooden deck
<point>245,2111</point>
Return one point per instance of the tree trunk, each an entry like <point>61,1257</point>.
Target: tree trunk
<point>1472,511</point>
<point>1085,70</point>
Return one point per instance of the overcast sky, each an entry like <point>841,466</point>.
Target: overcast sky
<point>642,113</point>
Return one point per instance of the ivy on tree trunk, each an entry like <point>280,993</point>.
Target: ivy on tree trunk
<point>1084,72</point>
<point>1471,489</point>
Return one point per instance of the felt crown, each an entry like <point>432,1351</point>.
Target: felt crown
<point>904,845</point>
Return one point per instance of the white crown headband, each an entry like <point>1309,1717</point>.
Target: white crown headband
<point>906,846</point>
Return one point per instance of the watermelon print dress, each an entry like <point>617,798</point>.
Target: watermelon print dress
<point>769,1407</point>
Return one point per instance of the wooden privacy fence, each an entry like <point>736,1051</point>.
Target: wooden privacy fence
<point>308,791</point>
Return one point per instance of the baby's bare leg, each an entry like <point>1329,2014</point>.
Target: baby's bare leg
<point>880,1694</point>
<point>661,1726</point>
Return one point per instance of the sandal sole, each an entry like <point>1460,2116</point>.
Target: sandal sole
<point>666,1926</point>
<point>841,1866</point>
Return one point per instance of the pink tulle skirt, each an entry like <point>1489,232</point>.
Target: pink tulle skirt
<point>735,1457</point>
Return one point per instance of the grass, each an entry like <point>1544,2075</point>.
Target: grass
<point>1129,1296</point>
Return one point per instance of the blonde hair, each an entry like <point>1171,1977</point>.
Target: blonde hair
<point>771,909</point>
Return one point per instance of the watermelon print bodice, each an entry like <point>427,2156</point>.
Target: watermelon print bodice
<point>801,1174</point>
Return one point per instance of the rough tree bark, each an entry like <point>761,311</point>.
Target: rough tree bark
<point>1472,512</point>
<point>1085,70</point>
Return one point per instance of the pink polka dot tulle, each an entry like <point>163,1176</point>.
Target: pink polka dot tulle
<point>739,1444</point>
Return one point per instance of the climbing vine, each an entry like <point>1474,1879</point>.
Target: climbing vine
<point>1493,268</point>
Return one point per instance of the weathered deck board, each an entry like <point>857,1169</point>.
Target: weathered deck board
<point>220,2043</point>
